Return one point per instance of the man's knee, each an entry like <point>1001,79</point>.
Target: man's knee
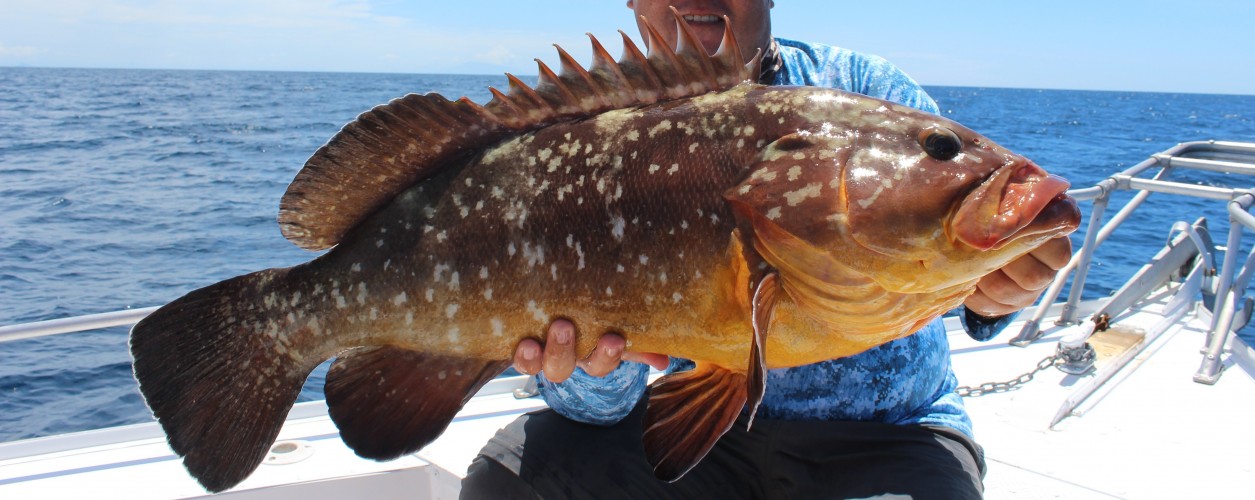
<point>488,479</point>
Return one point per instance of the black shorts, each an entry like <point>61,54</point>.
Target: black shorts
<point>545,455</point>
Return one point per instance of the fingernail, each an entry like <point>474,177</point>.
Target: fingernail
<point>562,336</point>
<point>612,351</point>
<point>530,353</point>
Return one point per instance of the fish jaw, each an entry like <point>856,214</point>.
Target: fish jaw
<point>1019,200</point>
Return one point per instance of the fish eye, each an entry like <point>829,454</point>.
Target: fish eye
<point>940,143</point>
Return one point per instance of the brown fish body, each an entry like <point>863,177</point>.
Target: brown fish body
<point>584,221</point>
<point>743,227</point>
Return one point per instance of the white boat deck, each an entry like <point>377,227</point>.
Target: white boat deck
<point>1151,433</point>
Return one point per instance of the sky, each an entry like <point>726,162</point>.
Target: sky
<point>1197,46</point>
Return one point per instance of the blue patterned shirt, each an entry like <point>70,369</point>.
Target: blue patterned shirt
<point>907,381</point>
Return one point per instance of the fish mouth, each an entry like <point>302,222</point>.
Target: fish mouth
<point>1020,200</point>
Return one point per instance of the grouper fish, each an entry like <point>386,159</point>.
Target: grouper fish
<point>662,197</point>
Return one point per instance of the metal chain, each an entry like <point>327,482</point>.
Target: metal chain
<point>988,387</point>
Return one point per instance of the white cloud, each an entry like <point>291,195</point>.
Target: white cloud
<point>18,51</point>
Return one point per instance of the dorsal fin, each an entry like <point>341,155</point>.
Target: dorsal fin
<point>392,146</point>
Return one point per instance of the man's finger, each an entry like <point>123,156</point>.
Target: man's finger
<point>605,358</point>
<point>559,352</point>
<point>658,361</point>
<point>527,357</point>
<point>1055,253</point>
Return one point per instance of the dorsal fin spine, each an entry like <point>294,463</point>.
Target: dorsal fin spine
<point>668,67</point>
<point>590,94</point>
<point>555,91</point>
<point>616,87</point>
<point>644,80</point>
<point>692,54</point>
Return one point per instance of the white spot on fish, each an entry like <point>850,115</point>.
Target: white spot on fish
<point>763,174</point>
<point>430,295</point>
<point>536,311</point>
<point>692,147</point>
<point>409,317</point>
<point>644,259</point>
<point>617,224</point>
<point>488,294</point>
<point>774,213</point>
<point>662,126</point>
<point>794,172</point>
<point>676,297</point>
<point>498,327</point>
<point>861,173</point>
<point>454,281</point>
<point>675,167</point>
<point>361,293</point>
<point>609,291</point>
<point>654,168</point>
<point>378,243</point>
<point>867,202</point>
<point>796,197</point>
<point>399,299</point>
<point>455,334</point>
<point>356,267</point>
<point>483,272</point>
<point>450,310</point>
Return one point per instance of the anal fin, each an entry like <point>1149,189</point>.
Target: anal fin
<point>388,401</point>
<point>688,412</point>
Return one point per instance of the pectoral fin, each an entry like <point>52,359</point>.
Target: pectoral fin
<point>763,306</point>
<point>388,401</point>
<point>688,412</point>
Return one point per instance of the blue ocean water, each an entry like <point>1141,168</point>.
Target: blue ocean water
<point>127,188</point>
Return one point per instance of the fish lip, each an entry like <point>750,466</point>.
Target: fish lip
<point>1018,200</point>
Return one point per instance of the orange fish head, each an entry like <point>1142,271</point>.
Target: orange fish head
<point>913,200</point>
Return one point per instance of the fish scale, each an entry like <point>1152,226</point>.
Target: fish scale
<point>741,226</point>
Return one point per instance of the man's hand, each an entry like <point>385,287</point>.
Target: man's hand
<point>557,356</point>
<point>1020,282</point>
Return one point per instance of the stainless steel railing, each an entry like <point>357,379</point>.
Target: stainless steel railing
<point>73,324</point>
<point>1230,305</point>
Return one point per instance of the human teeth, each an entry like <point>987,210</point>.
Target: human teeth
<point>701,19</point>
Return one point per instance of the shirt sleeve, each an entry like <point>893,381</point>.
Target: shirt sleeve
<point>596,400</point>
<point>877,77</point>
<point>981,328</point>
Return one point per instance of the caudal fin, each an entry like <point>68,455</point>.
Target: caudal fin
<point>220,368</point>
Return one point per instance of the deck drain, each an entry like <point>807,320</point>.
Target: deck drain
<point>288,452</point>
